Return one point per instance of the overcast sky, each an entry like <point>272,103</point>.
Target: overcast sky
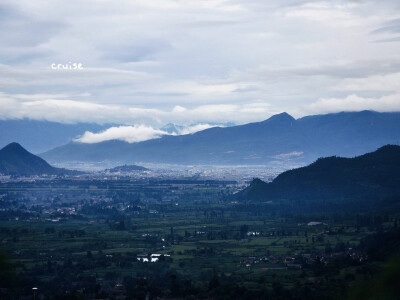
<point>151,62</point>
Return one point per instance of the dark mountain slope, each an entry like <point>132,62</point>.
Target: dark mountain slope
<point>127,169</point>
<point>15,160</point>
<point>281,137</point>
<point>373,176</point>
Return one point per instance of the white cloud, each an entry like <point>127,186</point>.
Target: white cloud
<point>196,128</point>
<point>354,103</point>
<point>56,110</point>
<point>130,134</point>
<point>330,14</point>
<point>385,83</point>
<point>134,134</point>
<point>73,111</point>
<point>288,155</point>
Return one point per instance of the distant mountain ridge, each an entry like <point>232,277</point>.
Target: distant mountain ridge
<point>127,168</point>
<point>372,176</point>
<point>279,138</point>
<point>172,128</point>
<point>180,129</point>
<point>15,160</point>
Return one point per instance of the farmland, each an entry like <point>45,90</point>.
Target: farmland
<point>180,239</point>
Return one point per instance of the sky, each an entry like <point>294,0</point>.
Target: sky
<point>152,62</point>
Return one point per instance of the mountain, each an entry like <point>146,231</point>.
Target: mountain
<point>15,160</point>
<point>172,128</point>
<point>40,136</point>
<point>278,139</point>
<point>333,181</point>
<point>127,169</point>
<point>178,129</point>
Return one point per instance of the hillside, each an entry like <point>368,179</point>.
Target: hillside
<point>15,160</point>
<point>276,140</point>
<point>126,169</point>
<point>334,180</point>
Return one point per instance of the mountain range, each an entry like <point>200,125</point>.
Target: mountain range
<point>180,129</point>
<point>15,160</point>
<point>172,128</point>
<point>333,181</point>
<point>278,139</point>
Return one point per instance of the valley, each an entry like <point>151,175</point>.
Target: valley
<point>95,238</point>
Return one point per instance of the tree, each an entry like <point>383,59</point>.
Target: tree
<point>243,230</point>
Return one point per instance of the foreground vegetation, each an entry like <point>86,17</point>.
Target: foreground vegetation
<point>175,239</point>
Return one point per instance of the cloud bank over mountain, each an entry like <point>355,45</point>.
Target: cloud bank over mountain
<point>130,134</point>
<point>135,134</point>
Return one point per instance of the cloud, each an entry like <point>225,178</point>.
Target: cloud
<point>392,26</point>
<point>137,133</point>
<point>64,111</point>
<point>384,83</point>
<point>326,13</point>
<point>57,109</point>
<point>135,50</point>
<point>196,128</point>
<point>389,40</point>
<point>288,155</point>
<point>390,29</point>
<point>21,30</point>
<point>354,103</point>
<point>130,134</point>
<point>157,61</point>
